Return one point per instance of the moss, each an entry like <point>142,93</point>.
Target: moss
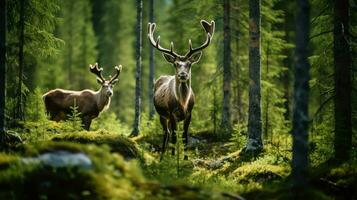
<point>259,173</point>
<point>117,143</point>
<point>110,178</point>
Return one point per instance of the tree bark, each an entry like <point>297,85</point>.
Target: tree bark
<point>139,18</point>
<point>239,104</point>
<point>342,76</point>
<point>226,122</point>
<point>2,70</point>
<point>267,97</point>
<point>19,113</point>
<point>301,100</point>
<point>152,67</point>
<point>254,144</point>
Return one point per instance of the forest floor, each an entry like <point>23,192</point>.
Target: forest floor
<point>58,163</point>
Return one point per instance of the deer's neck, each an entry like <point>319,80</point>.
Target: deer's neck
<point>183,92</point>
<point>102,99</point>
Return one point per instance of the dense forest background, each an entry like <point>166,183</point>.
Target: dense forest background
<point>50,44</point>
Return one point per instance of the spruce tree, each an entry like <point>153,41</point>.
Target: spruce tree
<point>139,18</point>
<point>342,77</point>
<point>2,70</point>
<point>226,121</point>
<point>301,100</point>
<point>254,143</point>
<point>152,66</point>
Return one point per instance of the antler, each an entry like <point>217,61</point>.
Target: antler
<point>118,70</point>
<point>151,29</point>
<point>97,71</point>
<point>209,28</point>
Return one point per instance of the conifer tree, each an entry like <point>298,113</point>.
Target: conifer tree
<point>254,143</point>
<point>226,121</point>
<point>139,18</point>
<point>2,70</point>
<point>152,67</point>
<point>342,76</point>
<point>301,99</point>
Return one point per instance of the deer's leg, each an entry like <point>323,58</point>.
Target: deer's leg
<point>186,124</point>
<point>164,124</point>
<point>86,121</point>
<point>173,134</point>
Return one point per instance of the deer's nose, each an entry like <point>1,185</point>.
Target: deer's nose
<point>109,93</point>
<point>182,75</point>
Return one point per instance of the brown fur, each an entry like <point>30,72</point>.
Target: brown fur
<point>173,95</point>
<point>58,103</point>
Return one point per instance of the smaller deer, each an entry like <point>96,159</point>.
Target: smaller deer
<point>173,95</point>
<point>58,102</point>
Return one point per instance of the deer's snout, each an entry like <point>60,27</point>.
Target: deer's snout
<point>182,76</point>
<point>109,93</point>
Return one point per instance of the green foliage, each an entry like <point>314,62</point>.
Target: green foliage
<point>108,121</point>
<point>35,109</point>
<point>74,122</point>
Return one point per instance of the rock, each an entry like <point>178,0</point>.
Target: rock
<point>253,147</point>
<point>58,159</point>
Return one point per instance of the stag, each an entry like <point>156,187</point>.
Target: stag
<point>58,102</point>
<point>173,95</point>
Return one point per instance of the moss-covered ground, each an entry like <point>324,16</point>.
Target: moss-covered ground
<point>129,168</point>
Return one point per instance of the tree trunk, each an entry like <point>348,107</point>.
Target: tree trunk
<point>2,70</point>
<point>226,122</point>
<point>70,48</point>
<point>287,62</point>
<point>267,99</point>
<point>19,112</point>
<point>152,67</point>
<point>301,100</point>
<point>238,70</point>
<point>342,75</point>
<point>254,144</point>
<point>139,18</point>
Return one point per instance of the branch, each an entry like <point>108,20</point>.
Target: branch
<point>319,15</point>
<point>319,34</point>
<point>322,106</point>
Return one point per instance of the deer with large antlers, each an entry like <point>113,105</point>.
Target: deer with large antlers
<point>58,102</point>
<point>173,95</point>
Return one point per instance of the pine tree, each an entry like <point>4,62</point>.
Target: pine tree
<point>19,112</point>
<point>2,70</point>
<point>139,19</point>
<point>226,121</point>
<point>343,84</point>
<point>301,99</point>
<point>152,67</point>
<point>29,35</point>
<point>254,143</point>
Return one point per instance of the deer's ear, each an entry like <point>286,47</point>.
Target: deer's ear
<point>114,81</point>
<point>169,58</point>
<point>99,81</point>
<point>195,57</point>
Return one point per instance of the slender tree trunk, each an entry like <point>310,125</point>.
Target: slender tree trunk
<point>70,48</point>
<point>254,144</point>
<point>238,89</point>
<point>226,122</point>
<point>301,100</point>
<point>287,62</point>
<point>19,114</point>
<point>342,75</point>
<point>267,99</point>
<point>152,68</point>
<point>139,18</point>
<point>2,70</point>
